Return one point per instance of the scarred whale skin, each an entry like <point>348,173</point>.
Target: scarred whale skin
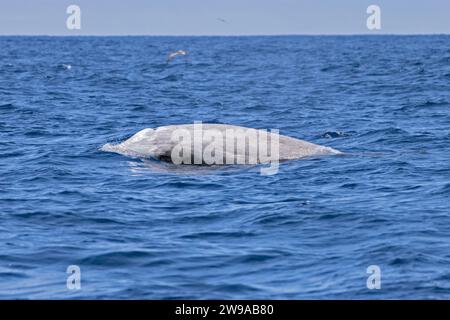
<point>158,143</point>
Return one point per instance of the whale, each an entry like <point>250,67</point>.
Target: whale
<point>215,144</point>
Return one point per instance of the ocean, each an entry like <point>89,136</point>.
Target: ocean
<point>141,229</point>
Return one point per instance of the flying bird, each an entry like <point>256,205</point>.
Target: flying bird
<point>172,55</point>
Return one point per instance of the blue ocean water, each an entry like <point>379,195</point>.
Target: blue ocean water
<point>143,230</point>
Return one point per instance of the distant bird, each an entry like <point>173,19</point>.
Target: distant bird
<point>222,20</point>
<point>172,55</point>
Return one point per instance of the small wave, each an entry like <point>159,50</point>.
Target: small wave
<point>430,103</point>
<point>444,190</point>
<point>170,78</point>
<point>257,107</point>
<point>391,131</point>
<point>12,274</point>
<point>202,65</point>
<point>117,258</point>
<point>426,105</point>
<point>255,258</point>
<point>334,134</point>
<point>329,68</point>
<point>237,287</point>
<point>7,106</point>
<point>218,235</point>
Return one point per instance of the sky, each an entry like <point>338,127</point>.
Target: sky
<point>223,17</point>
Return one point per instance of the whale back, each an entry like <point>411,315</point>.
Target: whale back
<point>159,143</point>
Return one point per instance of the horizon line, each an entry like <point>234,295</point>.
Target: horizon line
<point>226,35</point>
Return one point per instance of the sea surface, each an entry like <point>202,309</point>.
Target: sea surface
<point>140,229</point>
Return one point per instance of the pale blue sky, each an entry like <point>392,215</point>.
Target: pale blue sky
<point>243,17</point>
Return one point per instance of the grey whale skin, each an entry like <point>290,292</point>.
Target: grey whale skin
<point>158,144</point>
